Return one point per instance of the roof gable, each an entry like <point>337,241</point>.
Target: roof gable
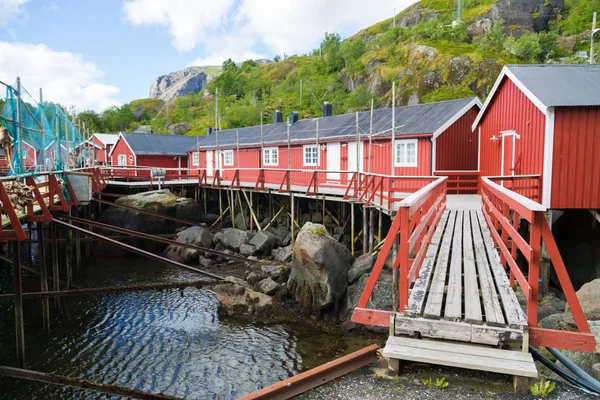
<point>107,139</point>
<point>157,145</point>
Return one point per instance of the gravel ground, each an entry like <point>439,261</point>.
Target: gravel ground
<point>372,382</point>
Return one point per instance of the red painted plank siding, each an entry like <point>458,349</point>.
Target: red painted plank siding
<point>164,162</point>
<point>457,147</point>
<point>382,155</point>
<point>122,148</point>
<point>512,110</point>
<point>576,160</point>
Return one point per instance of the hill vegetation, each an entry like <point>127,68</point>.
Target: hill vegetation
<point>429,55</point>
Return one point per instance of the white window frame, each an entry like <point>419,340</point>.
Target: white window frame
<point>270,160</point>
<point>122,160</point>
<point>312,162</point>
<point>228,154</point>
<point>406,142</point>
<point>196,159</point>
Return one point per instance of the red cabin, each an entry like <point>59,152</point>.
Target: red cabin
<point>544,120</point>
<point>429,138</point>
<point>102,145</point>
<point>149,150</point>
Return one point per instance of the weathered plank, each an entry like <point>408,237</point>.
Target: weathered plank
<point>494,335</point>
<point>491,304</point>
<point>453,309</point>
<point>433,308</point>
<point>419,290</point>
<point>461,356</point>
<point>514,313</point>
<point>472,300</point>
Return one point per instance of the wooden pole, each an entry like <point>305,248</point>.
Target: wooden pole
<point>371,229</point>
<point>69,256</point>
<point>43,276</point>
<point>352,227</point>
<point>55,271</point>
<point>18,293</point>
<point>292,207</point>
<point>251,209</point>
<point>365,229</point>
<point>393,130</point>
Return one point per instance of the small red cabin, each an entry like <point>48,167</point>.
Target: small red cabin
<point>102,143</point>
<point>150,150</point>
<point>428,138</point>
<point>545,120</point>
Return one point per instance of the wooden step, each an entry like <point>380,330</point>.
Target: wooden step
<point>467,356</point>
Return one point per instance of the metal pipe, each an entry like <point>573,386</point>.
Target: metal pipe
<point>575,369</point>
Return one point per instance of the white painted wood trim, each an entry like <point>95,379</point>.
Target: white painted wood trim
<point>406,141</point>
<point>457,116</point>
<point>506,72</point>
<point>548,158</point>
<point>479,151</point>
<point>532,205</point>
<point>514,136</point>
<point>433,155</point>
<point>502,161</point>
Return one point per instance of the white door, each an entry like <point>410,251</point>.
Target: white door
<point>333,161</point>
<point>209,163</point>
<point>352,159</point>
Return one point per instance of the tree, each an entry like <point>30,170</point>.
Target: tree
<point>277,58</point>
<point>331,48</point>
<point>351,51</point>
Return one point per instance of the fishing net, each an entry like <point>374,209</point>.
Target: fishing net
<point>44,137</point>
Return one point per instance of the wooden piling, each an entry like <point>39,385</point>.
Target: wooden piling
<point>365,229</point>
<point>352,228</point>
<point>371,229</point>
<point>18,293</point>
<point>55,271</point>
<point>43,276</point>
<point>292,209</point>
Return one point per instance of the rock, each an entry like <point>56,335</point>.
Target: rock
<point>240,222</point>
<point>586,360</point>
<point>205,262</point>
<point>316,217</point>
<point>179,83</point>
<point>237,281</point>
<point>320,265</point>
<point>254,277</point>
<point>380,300</point>
<point>179,128</point>
<point>421,52</point>
<point>375,87</point>
<point>241,302</point>
<point>268,286</point>
<point>361,266</point>
<point>277,272</point>
<point>589,299</point>
<point>196,235</point>
<point>252,258</point>
<point>596,371</point>
<point>247,250</point>
<point>480,28</point>
<point>209,218</point>
<point>234,238</point>
<point>553,321</point>
<point>284,254</point>
<point>459,69</point>
<point>525,15</point>
<point>263,241</point>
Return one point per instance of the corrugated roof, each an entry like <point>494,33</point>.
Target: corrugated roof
<point>107,138</point>
<point>422,119</point>
<point>561,85</point>
<point>159,145</point>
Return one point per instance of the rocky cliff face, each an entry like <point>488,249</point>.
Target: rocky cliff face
<point>179,83</point>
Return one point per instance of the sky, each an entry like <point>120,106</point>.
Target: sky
<point>94,54</point>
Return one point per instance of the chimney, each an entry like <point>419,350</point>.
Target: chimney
<point>326,110</point>
<point>209,131</point>
<point>293,117</point>
<point>277,117</point>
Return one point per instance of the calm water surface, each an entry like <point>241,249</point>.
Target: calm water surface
<point>155,341</point>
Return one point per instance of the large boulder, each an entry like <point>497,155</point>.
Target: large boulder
<point>241,302</point>
<point>263,241</point>
<point>320,264</point>
<point>381,298</point>
<point>234,238</point>
<point>283,254</point>
<point>197,236</point>
<point>589,299</point>
<point>585,360</point>
<point>361,266</point>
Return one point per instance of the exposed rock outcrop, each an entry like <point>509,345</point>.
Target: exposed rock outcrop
<point>241,302</point>
<point>179,83</point>
<point>590,302</point>
<point>195,235</point>
<point>525,15</point>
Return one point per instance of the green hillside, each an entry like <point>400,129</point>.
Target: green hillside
<point>429,56</point>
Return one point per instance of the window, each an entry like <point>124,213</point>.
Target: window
<point>270,156</point>
<point>196,158</point>
<point>228,157</point>
<point>311,155</point>
<point>406,153</point>
<point>122,159</point>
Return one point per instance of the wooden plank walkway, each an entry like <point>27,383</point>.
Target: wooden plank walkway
<point>462,291</point>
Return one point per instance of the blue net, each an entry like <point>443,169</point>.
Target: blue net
<point>44,136</point>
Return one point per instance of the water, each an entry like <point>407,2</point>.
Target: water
<point>155,341</point>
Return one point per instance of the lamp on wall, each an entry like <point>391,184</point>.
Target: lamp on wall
<point>495,138</point>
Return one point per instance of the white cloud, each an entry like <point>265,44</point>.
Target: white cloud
<point>11,10</point>
<point>64,77</point>
<point>242,29</point>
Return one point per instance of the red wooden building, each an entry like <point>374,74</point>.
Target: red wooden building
<point>545,120</point>
<point>102,145</point>
<point>428,138</point>
<point>149,150</point>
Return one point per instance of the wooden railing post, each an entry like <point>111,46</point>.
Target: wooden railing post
<point>403,254</point>
<point>534,268</point>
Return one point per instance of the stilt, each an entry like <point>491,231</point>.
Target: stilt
<point>231,206</point>
<point>18,290</point>
<point>30,236</point>
<point>270,206</point>
<point>78,252</point>
<point>379,226</point>
<point>395,278</point>
<point>69,256</point>
<point>43,276</point>
<point>352,228</point>
<point>365,229</point>
<point>251,210</point>
<point>371,229</point>
<point>292,207</point>
<point>204,199</point>
<point>55,272</point>
<point>323,209</point>
<point>220,206</point>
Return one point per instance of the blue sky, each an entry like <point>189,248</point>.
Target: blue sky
<point>94,54</point>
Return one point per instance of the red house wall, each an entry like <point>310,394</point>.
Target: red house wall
<point>101,154</point>
<point>457,148</point>
<point>122,148</point>
<point>512,110</point>
<point>576,158</point>
<point>164,162</point>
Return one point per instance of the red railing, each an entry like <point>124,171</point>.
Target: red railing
<point>503,210</point>
<point>461,182</point>
<point>525,185</point>
<point>412,228</point>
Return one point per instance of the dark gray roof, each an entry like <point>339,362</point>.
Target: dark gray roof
<point>422,119</point>
<point>561,85</point>
<point>158,145</point>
